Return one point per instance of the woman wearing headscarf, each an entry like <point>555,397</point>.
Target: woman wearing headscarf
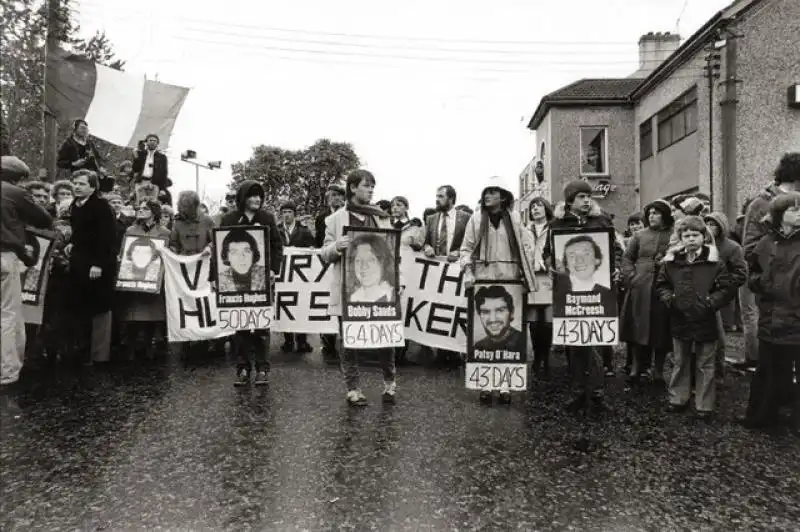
<point>497,247</point>
<point>142,313</point>
<point>645,319</point>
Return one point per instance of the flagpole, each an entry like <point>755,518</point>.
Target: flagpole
<point>49,131</point>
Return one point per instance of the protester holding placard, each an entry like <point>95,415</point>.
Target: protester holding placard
<point>541,326</point>
<point>143,314</point>
<point>496,247</point>
<point>358,212</point>
<point>694,284</point>
<point>644,318</point>
<point>579,211</point>
<point>334,200</point>
<point>251,346</point>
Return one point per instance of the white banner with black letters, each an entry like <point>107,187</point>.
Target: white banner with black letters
<point>191,307</point>
<point>302,293</point>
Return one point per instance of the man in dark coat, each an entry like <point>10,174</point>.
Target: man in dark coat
<point>249,212</point>
<point>296,235</point>
<point>92,265</point>
<point>18,210</point>
<point>78,152</point>
<point>149,164</point>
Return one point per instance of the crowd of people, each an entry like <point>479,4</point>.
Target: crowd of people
<point>685,277</point>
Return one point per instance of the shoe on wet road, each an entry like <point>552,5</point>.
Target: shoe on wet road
<point>389,392</point>
<point>261,378</point>
<point>356,398</point>
<point>504,398</point>
<point>242,378</point>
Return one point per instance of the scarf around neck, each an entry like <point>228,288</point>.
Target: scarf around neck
<point>366,210</point>
<point>503,217</point>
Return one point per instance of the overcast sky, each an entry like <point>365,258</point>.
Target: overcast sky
<point>428,92</point>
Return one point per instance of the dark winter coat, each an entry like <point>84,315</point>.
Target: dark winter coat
<point>644,317</point>
<point>694,292</point>
<point>301,236</point>
<point>319,227</point>
<point>160,177</point>
<point>17,211</point>
<point>190,237</point>
<point>94,243</point>
<point>72,151</point>
<point>755,223</point>
<point>262,217</point>
<point>775,279</point>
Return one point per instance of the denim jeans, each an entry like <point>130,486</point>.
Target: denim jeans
<point>749,323</point>
<point>705,387</point>
<point>587,370</point>
<point>349,364</point>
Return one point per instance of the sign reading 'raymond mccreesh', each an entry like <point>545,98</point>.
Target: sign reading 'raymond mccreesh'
<point>242,263</point>
<point>371,310</point>
<point>584,300</point>
<point>496,351</point>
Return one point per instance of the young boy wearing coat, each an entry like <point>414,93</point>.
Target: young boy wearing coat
<point>695,285</point>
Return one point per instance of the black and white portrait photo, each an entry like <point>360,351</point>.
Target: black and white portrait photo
<point>241,260</point>
<point>583,264</point>
<point>371,270</point>
<point>140,266</point>
<point>38,248</point>
<point>497,316</point>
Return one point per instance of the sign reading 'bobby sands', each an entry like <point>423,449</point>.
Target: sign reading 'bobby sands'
<point>584,301</point>
<point>496,353</point>
<point>372,317</point>
<point>242,260</point>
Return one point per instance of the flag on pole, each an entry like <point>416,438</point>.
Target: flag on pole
<point>121,108</point>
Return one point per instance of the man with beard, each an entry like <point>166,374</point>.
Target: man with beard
<point>444,233</point>
<point>248,212</point>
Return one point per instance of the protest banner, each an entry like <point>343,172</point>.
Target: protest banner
<point>496,347</point>
<point>372,316</point>
<point>302,290</point>
<point>584,300</point>
<point>34,280</point>
<point>242,261</point>
<point>191,309</point>
<point>141,268</point>
<point>434,302</point>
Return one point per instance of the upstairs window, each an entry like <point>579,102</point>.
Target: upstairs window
<point>594,150</point>
<point>678,120</point>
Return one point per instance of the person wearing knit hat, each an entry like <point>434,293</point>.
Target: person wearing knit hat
<point>18,211</point>
<point>649,338</point>
<point>496,247</point>
<point>581,211</point>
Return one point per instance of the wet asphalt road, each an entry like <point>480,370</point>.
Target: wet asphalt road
<point>174,446</point>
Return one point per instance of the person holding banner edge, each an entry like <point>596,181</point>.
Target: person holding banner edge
<point>358,212</point>
<point>580,211</point>
<point>334,199</point>
<point>496,247</point>
<point>249,202</point>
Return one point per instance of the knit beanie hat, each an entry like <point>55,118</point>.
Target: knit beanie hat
<point>13,169</point>
<point>574,188</point>
<point>692,206</point>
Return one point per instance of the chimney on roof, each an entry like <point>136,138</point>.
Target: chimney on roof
<point>654,49</point>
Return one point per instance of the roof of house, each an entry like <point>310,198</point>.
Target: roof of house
<point>586,92</point>
<point>625,91</point>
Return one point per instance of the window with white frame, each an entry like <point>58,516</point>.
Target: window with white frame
<point>594,150</point>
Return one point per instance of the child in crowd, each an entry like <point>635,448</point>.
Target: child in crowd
<point>694,284</point>
<point>775,279</point>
